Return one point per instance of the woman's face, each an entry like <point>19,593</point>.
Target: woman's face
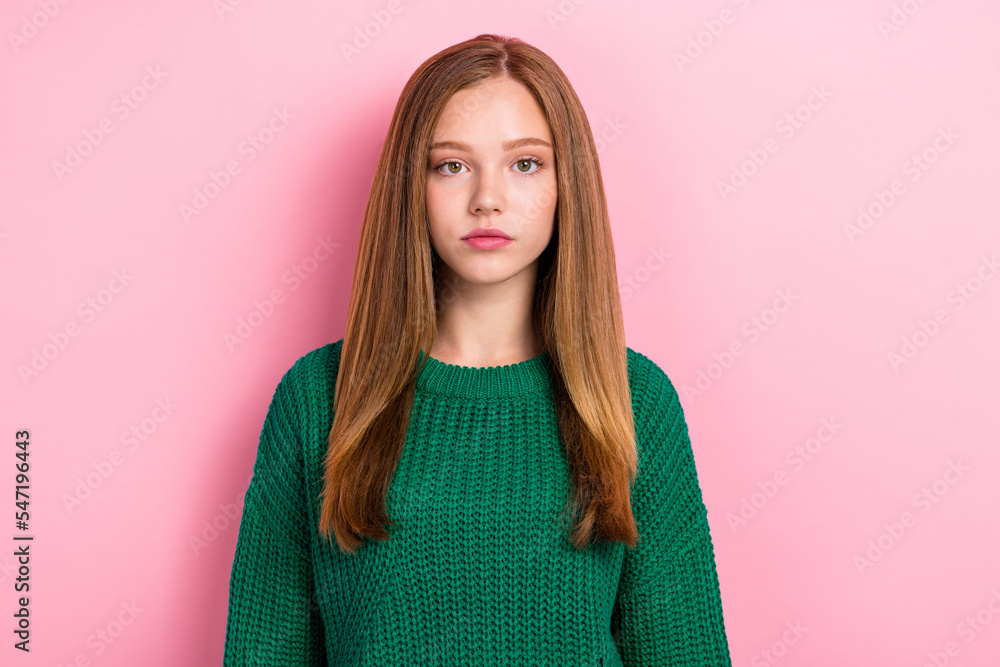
<point>491,165</point>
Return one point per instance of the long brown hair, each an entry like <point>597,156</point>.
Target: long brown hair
<point>392,312</point>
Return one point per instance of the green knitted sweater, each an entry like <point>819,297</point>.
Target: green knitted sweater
<point>479,571</point>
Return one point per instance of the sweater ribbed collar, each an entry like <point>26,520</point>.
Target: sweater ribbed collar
<point>529,377</point>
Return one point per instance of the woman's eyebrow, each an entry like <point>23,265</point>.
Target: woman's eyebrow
<point>507,145</point>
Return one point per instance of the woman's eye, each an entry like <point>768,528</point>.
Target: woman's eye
<point>526,164</point>
<point>522,166</point>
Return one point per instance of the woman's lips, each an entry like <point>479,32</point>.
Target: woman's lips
<point>487,242</point>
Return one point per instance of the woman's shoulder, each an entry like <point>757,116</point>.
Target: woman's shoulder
<point>314,374</point>
<point>656,404</point>
<point>647,380</point>
<point>323,358</point>
<point>666,458</point>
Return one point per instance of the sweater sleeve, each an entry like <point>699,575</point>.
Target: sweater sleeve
<point>273,616</point>
<point>668,610</point>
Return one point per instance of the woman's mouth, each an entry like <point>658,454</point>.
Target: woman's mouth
<point>487,238</point>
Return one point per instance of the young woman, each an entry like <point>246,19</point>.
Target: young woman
<point>480,472</point>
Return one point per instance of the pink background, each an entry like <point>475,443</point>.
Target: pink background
<point>701,273</point>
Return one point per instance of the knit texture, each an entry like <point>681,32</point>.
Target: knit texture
<point>480,570</point>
